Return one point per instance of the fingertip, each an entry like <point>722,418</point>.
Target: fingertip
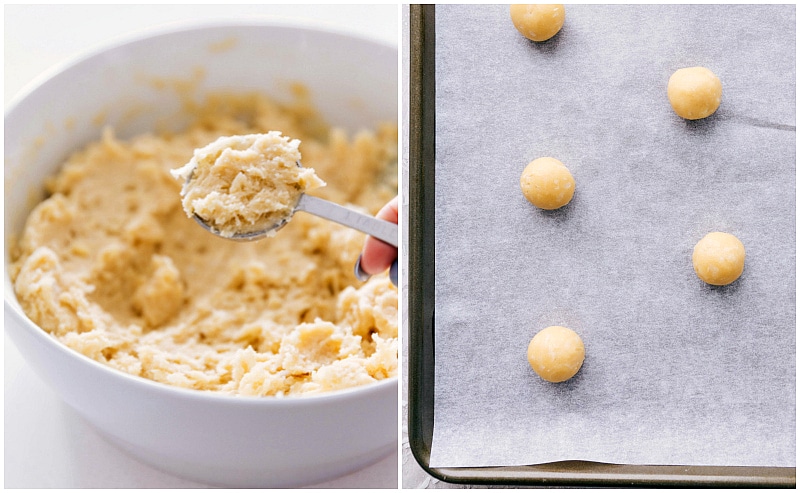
<point>377,256</point>
<point>359,272</point>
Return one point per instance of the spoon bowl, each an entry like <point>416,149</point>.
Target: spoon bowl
<point>377,228</point>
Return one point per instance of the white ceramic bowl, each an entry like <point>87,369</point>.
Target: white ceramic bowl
<point>215,439</point>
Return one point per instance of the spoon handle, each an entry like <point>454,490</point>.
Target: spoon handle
<point>377,228</point>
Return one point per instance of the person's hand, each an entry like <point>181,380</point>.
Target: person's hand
<point>377,256</point>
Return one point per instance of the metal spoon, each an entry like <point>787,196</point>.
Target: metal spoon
<point>377,228</point>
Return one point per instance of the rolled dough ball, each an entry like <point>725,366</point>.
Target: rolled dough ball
<point>694,92</point>
<point>538,22</point>
<point>547,183</point>
<point>718,258</point>
<point>556,353</point>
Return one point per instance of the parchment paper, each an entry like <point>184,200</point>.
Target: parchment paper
<point>676,372</point>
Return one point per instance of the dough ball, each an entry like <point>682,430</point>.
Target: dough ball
<point>538,22</point>
<point>694,92</point>
<point>718,258</point>
<point>547,183</point>
<point>556,353</point>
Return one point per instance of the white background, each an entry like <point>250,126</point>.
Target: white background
<point>47,445</point>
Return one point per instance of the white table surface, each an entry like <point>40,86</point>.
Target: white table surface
<point>47,445</point>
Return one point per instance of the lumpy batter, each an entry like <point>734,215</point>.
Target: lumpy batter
<point>242,184</point>
<point>110,265</point>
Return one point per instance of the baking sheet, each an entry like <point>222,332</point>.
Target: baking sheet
<point>676,371</point>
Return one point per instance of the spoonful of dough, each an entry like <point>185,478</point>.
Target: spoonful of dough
<point>247,187</point>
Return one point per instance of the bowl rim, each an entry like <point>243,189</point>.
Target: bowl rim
<point>142,383</point>
<point>179,27</point>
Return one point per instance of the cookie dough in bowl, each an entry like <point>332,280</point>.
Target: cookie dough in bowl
<point>262,364</point>
<point>111,265</point>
